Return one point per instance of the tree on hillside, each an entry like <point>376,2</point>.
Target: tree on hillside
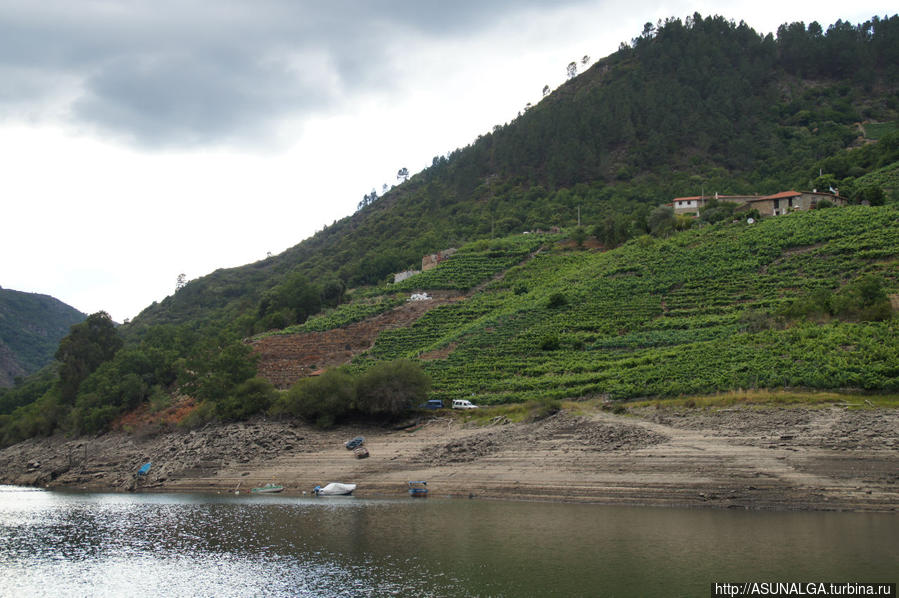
<point>613,230</point>
<point>572,70</point>
<point>367,200</point>
<point>874,196</point>
<point>661,221</point>
<point>402,174</point>
<point>579,236</point>
<point>87,346</point>
<point>390,388</point>
<point>214,370</point>
<point>323,400</point>
<point>291,302</point>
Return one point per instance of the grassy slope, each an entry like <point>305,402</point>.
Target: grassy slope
<point>663,317</point>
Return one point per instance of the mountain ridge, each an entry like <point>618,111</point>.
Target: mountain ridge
<point>31,326</point>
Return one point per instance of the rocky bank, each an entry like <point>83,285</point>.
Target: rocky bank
<point>824,458</point>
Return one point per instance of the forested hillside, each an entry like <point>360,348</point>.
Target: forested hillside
<point>633,302</point>
<point>31,327</point>
<point>701,105</point>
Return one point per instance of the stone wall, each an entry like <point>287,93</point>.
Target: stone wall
<point>430,261</point>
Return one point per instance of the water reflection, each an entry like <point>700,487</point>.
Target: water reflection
<point>190,545</point>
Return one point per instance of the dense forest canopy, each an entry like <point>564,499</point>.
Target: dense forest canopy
<point>699,105</point>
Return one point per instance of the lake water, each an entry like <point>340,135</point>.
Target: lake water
<point>69,544</point>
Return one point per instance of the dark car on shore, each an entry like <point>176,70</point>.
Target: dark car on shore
<point>432,404</point>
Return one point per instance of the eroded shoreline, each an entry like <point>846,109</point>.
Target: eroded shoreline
<point>772,458</point>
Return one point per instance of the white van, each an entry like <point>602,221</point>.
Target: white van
<point>463,404</point>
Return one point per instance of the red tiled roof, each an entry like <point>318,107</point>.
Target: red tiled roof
<point>782,195</point>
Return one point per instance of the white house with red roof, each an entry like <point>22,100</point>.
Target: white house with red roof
<point>767,205</point>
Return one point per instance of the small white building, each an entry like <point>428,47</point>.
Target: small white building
<point>401,276</point>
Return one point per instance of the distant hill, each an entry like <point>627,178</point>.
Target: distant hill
<point>31,327</point>
<point>700,105</point>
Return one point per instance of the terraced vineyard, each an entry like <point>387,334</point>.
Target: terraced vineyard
<point>661,317</point>
<point>475,263</point>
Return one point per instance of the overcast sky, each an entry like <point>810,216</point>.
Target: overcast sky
<point>144,139</point>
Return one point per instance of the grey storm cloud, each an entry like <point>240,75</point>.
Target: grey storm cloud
<point>175,73</point>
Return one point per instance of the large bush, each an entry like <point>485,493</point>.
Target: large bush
<point>862,300</point>
<point>323,400</point>
<point>247,399</point>
<point>390,388</point>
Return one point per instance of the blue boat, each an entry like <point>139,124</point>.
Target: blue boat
<point>418,489</point>
<point>355,442</point>
<point>145,468</point>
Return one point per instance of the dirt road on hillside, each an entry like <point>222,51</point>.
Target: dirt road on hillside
<point>765,458</point>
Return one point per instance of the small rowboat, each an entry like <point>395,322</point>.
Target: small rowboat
<point>268,489</point>
<point>418,489</point>
<point>361,452</point>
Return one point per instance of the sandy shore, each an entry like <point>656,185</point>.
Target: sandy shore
<point>827,458</point>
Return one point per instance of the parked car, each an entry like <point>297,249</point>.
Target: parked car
<point>432,404</point>
<point>463,404</point>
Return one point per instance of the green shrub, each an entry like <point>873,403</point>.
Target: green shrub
<point>390,388</point>
<point>864,300</point>
<point>557,300</point>
<point>200,416</point>
<point>661,221</point>
<point>816,304</point>
<point>323,400</point>
<point>544,407</point>
<point>249,398</point>
<point>717,211</point>
<point>159,400</point>
<point>579,236</point>
<point>550,342</point>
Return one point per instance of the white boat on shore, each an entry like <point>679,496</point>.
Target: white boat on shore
<point>334,489</point>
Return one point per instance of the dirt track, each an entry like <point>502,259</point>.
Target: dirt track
<point>767,458</point>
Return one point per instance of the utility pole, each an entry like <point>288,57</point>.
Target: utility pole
<point>579,216</point>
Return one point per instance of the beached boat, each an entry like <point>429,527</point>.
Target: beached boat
<point>355,442</point>
<point>268,489</point>
<point>418,489</point>
<point>334,489</point>
<point>361,452</point>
